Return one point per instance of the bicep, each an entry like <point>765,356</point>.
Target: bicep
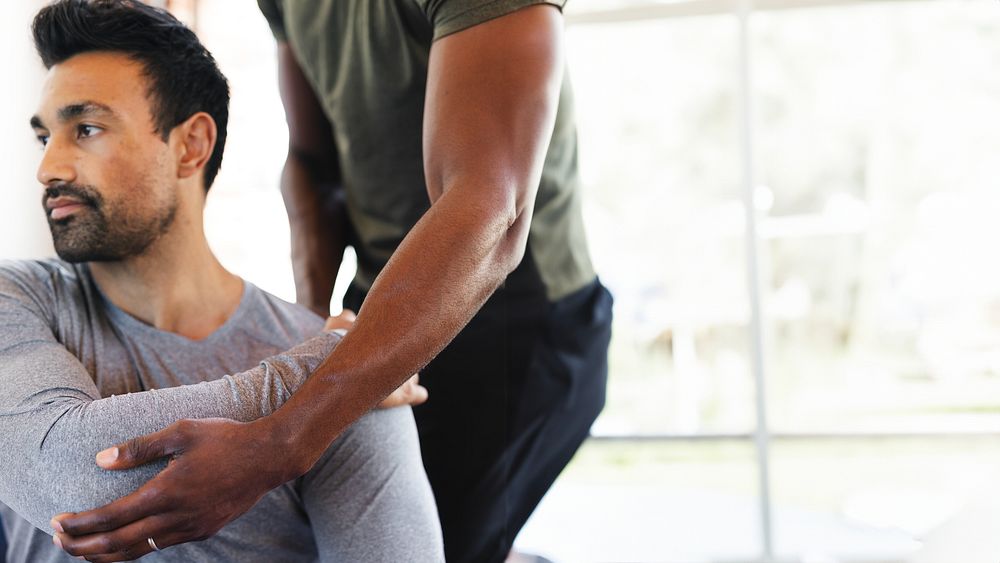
<point>492,94</point>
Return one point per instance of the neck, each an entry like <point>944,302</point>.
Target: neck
<point>176,285</point>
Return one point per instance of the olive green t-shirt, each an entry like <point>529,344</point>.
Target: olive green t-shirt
<point>367,62</point>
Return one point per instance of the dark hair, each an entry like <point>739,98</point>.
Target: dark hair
<point>184,78</point>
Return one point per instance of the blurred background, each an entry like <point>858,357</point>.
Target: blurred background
<point>856,418</point>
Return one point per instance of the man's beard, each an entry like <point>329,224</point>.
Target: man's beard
<point>102,232</point>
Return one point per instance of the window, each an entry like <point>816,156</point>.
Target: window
<point>875,143</point>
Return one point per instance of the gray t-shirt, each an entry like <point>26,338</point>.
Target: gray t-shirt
<point>78,374</point>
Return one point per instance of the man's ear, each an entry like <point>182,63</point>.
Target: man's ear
<point>195,141</point>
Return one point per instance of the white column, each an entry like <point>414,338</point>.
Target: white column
<point>762,433</point>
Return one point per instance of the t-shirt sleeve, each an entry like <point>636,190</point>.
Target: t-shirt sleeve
<point>451,16</point>
<point>53,419</point>
<point>272,13</point>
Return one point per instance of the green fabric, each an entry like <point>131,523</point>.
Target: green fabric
<point>367,61</point>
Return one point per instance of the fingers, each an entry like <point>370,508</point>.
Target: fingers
<point>124,511</point>
<point>122,544</point>
<point>130,554</point>
<point>409,393</point>
<point>143,501</point>
<point>141,450</point>
<point>182,503</point>
<point>344,320</point>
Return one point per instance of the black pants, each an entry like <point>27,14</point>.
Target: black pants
<point>511,400</point>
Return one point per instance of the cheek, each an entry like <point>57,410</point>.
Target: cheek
<point>140,174</point>
<point>109,166</point>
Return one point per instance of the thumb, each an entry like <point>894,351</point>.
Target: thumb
<point>133,453</point>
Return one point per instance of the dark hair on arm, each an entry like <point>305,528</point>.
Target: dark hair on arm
<point>184,78</point>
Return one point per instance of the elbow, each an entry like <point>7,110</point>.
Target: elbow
<point>498,210</point>
<point>514,243</point>
<point>318,166</point>
<point>517,212</point>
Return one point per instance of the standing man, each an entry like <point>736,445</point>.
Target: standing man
<point>436,137</point>
<point>393,105</point>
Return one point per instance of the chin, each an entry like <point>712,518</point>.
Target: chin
<point>75,256</point>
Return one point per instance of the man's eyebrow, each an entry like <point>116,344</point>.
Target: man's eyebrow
<point>74,111</point>
<point>83,109</point>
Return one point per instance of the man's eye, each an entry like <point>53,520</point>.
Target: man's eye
<point>43,139</point>
<point>87,131</point>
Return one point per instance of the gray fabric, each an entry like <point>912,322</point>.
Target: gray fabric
<point>77,375</point>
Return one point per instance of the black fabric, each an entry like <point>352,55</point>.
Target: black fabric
<point>511,400</point>
<point>3,544</point>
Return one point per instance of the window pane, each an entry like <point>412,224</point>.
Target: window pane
<point>879,143</point>
<point>657,110</point>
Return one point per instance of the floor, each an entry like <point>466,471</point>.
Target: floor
<point>580,523</point>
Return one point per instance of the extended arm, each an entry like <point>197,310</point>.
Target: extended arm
<point>53,419</point>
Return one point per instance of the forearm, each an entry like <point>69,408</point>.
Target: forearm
<point>442,273</point>
<point>49,440</point>
<point>318,224</point>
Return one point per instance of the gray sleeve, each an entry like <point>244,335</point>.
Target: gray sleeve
<point>53,419</point>
<point>368,498</point>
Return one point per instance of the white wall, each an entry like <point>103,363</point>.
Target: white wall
<point>23,232</point>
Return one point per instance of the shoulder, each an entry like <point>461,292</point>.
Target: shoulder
<point>51,291</point>
<point>36,271</point>
<point>39,280</point>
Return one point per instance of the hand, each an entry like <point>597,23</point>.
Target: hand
<point>342,321</point>
<point>206,485</point>
<point>409,393</point>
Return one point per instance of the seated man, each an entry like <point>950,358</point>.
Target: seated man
<point>138,324</point>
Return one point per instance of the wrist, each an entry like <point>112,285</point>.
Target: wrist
<point>281,438</point>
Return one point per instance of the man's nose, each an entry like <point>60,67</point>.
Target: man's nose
<point>57,164</point>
